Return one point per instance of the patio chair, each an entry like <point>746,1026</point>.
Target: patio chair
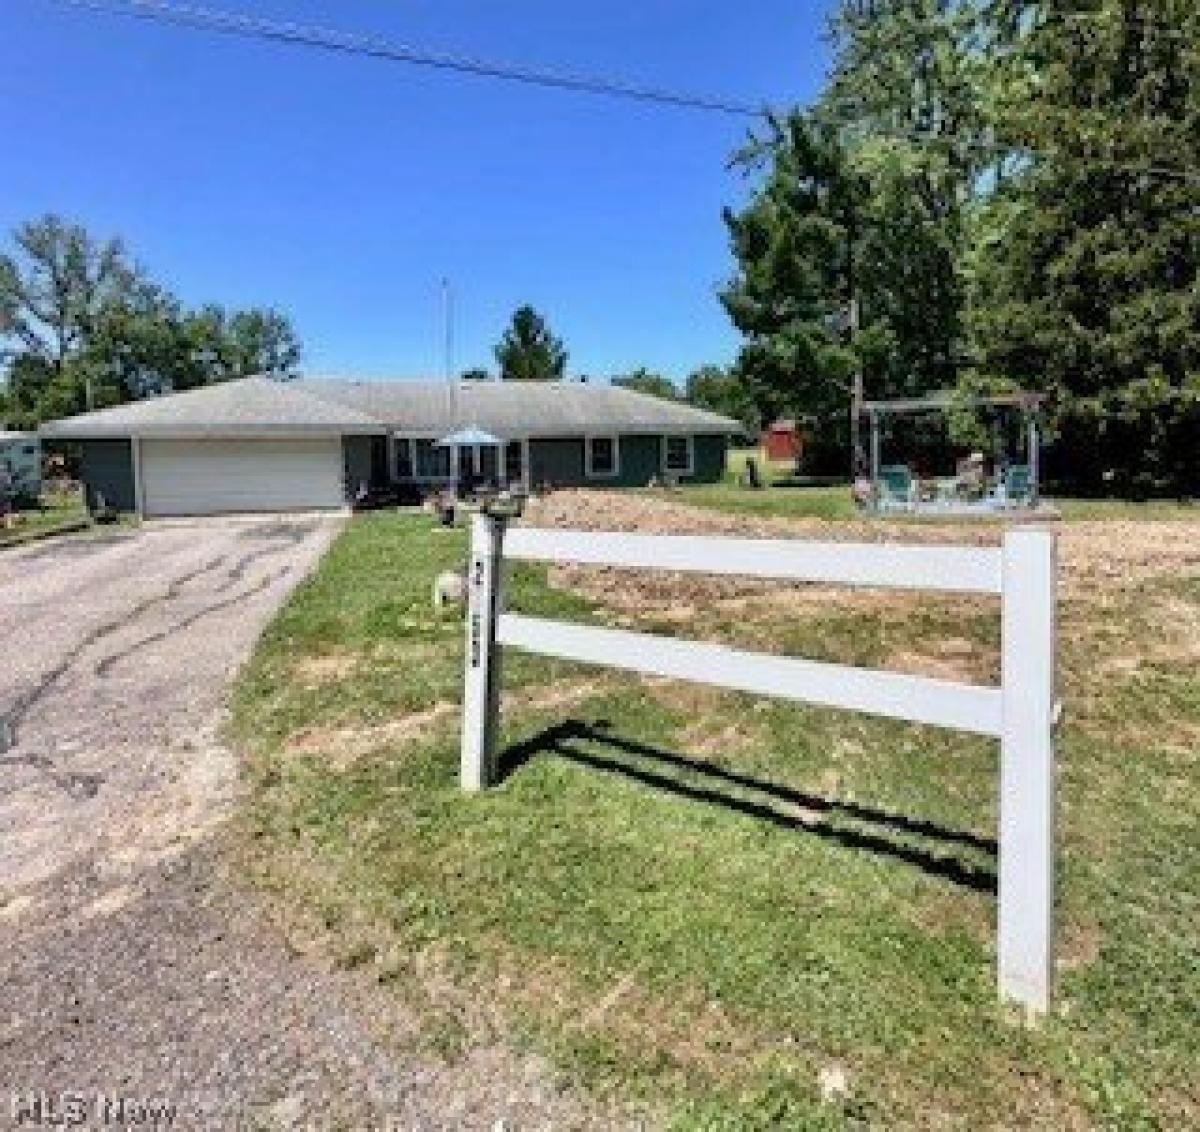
<point>896,487</point>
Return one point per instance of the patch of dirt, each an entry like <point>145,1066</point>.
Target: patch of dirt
<point>943,913</point>
<point>690,1030</point>
<point>678,597</point>
<point>1177,642</point>
<point>582,509</point>
<point>1079,945</point>
<point>342,747</point>
<point>704,739</point>
<point>1179,1107</point>
<point>1103,557</point>
<point>1095,558</point>
<point>193,801</point>
<point>315,671</point>
<point>705,707</point>
<point>953,658</point>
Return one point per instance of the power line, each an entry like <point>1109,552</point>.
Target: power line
<point>200,18</point>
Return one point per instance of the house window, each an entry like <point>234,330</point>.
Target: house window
<point>679,455</point>
<point>433,463</point>
<point>514,462</point>
<point>601,452</point>
<point>404,460</point>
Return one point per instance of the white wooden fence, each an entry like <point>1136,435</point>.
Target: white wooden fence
<point>1020,712</point>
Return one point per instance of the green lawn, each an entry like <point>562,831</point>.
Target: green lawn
<point>699,901</point>
<point>1122,510</point>
<point>835,503</point>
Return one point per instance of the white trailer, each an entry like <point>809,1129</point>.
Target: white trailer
<point>20,465</point>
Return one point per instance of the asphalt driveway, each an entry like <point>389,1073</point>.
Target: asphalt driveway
<point>117,650</point>
<point>135,964</point>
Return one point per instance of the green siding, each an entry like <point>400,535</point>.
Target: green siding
<point>641,461</point>
<point>710,459</point>
<point>556,462</point>
<point>106,468</point>
<point>560,462</point>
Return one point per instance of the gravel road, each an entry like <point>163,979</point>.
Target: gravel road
<point>134,965</point>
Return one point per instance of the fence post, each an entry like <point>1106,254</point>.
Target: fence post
<point>481,704</point>
<point>1026,919</point>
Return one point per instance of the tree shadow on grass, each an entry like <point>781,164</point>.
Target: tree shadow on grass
<point>595,745</point>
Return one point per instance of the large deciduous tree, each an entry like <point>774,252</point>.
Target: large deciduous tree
<point>261,341</point>
<point>55,286</point>
<point>643,380</point>
<point>81,328</point>
<point>721,390</point>
<point>529,351</point>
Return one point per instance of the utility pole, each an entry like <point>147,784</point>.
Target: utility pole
<point>853,316</point>
<point>448,326</point>
<point>856,397</point>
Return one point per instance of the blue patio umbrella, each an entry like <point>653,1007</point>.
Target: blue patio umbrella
<point>469,438</point>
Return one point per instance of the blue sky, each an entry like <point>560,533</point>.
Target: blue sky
<point>343,190</point>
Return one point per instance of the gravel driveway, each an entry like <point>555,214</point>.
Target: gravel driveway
<point>133,964</point>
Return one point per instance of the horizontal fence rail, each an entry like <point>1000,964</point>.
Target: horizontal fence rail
<point>1020,711</point>
<point>949,569</point>
<point>916,699</point>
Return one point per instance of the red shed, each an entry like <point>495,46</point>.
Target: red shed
<point>782,442</point>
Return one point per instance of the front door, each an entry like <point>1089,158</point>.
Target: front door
<point>514,463</point>
<point>380,476</point>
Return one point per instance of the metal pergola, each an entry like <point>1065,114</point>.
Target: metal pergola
<point>1026,401</point>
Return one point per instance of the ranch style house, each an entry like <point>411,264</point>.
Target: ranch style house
<point>258,444</point>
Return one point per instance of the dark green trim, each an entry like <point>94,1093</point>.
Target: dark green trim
<point>106,469</point>
<point>560,462</point>
<point>365,462</point>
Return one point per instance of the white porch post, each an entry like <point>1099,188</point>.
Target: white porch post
<point>1035,462</point>
<point>481,688</point>
<point>139,493</point>
<point>1026,918</point>
<point>875,456</point>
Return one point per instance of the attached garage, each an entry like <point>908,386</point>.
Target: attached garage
<point>237,447</point>
<point>214,477</point>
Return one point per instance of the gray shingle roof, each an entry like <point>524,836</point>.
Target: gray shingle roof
<point>257,406</point>
<point>251,406</point>
<point>511,409</point>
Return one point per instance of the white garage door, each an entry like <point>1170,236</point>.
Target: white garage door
<point>214,477</point>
